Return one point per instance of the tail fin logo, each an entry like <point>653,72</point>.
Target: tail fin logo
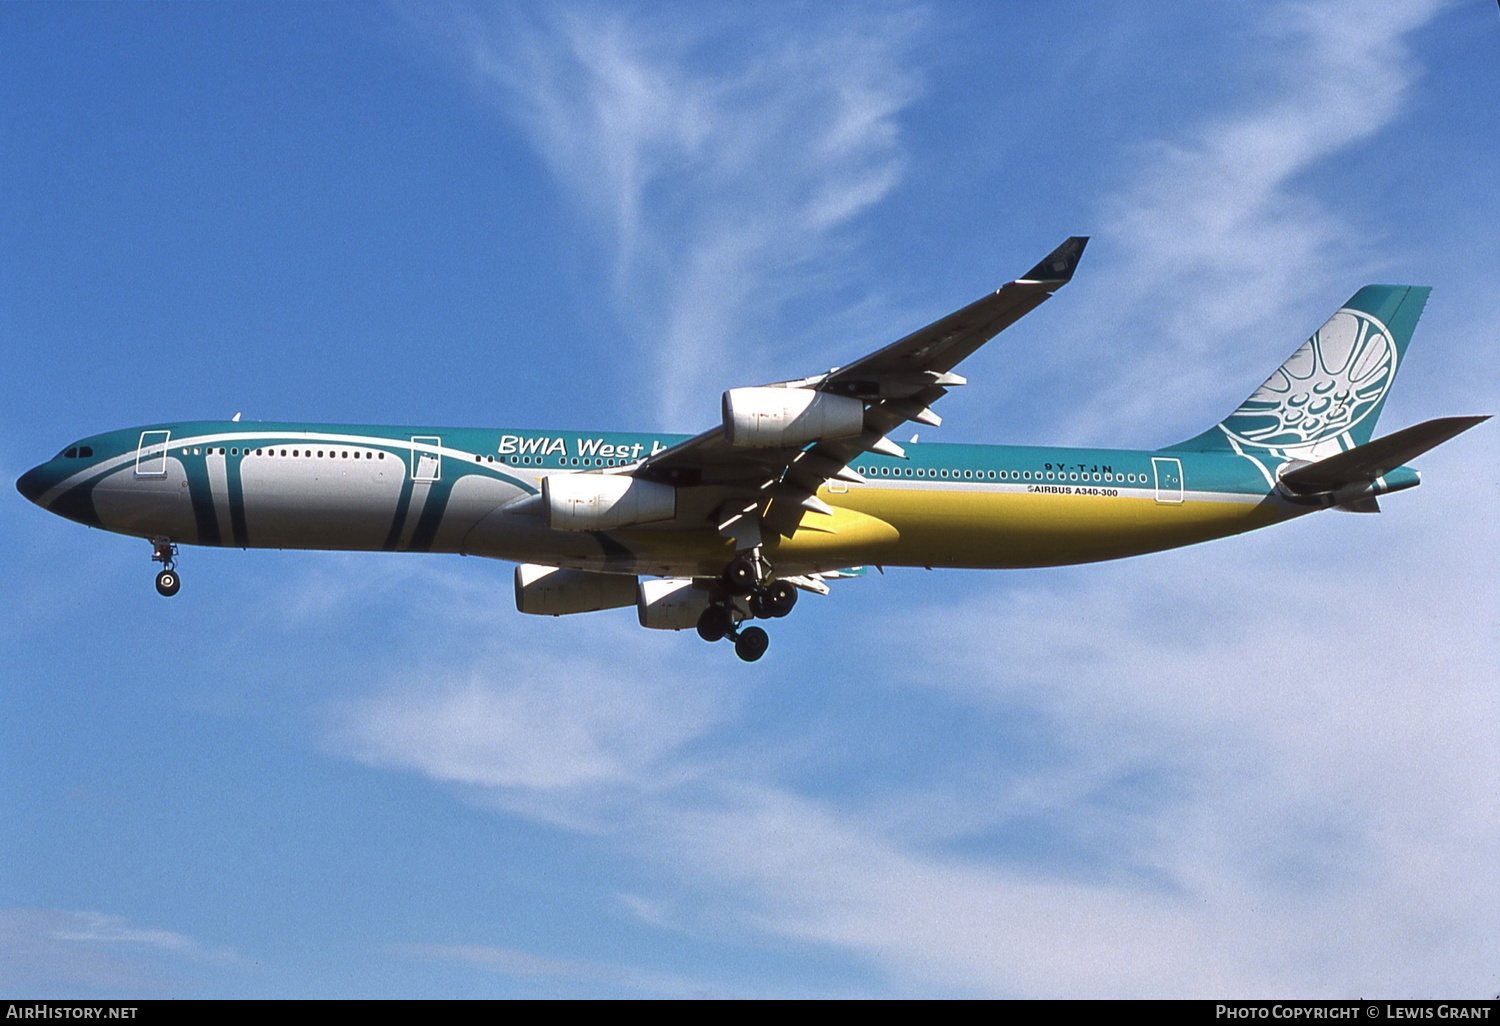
<point>1335,380</point>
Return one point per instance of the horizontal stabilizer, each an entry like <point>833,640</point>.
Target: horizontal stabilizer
<point>1373,459</point>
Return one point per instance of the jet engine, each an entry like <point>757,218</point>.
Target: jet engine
<point>603,502</point>
<point>552,591</point>
<point>670,605</point>
<point>763,417</point>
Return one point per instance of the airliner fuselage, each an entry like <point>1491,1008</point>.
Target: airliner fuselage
<point>414,489</point>
<point>799,482</point>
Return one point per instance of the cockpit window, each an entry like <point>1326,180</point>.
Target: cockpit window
<point>85,451</point>
<point>70,453</point>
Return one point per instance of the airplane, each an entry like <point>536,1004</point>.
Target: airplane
<point>798,483</point>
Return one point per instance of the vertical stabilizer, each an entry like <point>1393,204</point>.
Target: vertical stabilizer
<point>1327,396</point>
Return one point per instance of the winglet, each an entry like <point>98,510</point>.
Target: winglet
<point>1060,264</point>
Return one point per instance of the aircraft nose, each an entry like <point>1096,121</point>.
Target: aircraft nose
<point>33,483</point>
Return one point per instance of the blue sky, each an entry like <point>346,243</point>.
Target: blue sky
<point>1263,766</point>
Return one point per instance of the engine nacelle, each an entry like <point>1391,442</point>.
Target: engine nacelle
<point>762,417</point>
<point>670,605</point>
<point>603,502</point>
<point>552,591</point>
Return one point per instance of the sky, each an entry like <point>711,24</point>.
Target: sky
<point>1265,766</point>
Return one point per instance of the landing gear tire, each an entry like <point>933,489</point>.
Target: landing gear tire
<point>714,623</point>
<point>773,601</point>
<point>780,597</point>
<point>760,604</point>
<point>751,644</point>
<point>740,576</point>
<point>168,583</point>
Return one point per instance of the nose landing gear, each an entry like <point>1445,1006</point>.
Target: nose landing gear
<point>164,552</point>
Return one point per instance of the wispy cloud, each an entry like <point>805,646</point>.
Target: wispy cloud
<point>508,962</point>
<point>44,950</point>
<point>539,722</point>
<point>524,965</point>
<point>1221,235</point>
<point>1270,780</point>
<point>1241,778</point>
<point>1253,768</point>
<point>722,163</point>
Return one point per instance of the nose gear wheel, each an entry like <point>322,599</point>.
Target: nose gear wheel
<point>168,582</point>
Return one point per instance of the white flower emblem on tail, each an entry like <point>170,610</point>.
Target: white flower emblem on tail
<point>1329,385</point>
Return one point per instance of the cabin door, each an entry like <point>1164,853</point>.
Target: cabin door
<point>151,454</point>
<point>425,462</point>
<point>1168,479</point>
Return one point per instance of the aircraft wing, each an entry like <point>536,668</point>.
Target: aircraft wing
<point>775,485</point>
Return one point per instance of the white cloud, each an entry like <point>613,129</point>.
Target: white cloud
<point>509,962</point>
<point>1273,773</point>
<point>45,950</point>
<point>1324,737</point>
<point>1267,760</point>
<point>1221,236</point>
<point>1266,771</point>
<point>540,727</point>
<point>535,722</point>
<point>524,965</point>
<point>722,164</point>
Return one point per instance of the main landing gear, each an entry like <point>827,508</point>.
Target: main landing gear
<point>165,553</point>
<point>749,594</point>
